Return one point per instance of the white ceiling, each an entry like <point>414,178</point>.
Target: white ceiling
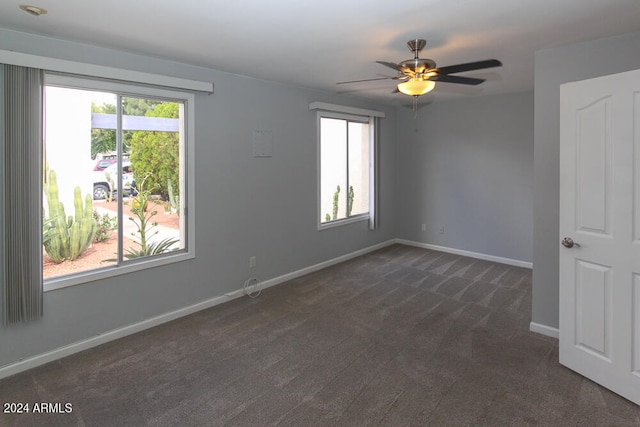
<point>318,43</point>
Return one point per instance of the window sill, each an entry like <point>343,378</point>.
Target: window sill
<point>114,271</point>
<point>341,222</point>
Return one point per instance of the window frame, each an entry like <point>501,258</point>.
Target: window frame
<point>137,90</point>
<point>356,118</point>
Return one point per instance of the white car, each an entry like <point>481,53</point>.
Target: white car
<point>102,185</point>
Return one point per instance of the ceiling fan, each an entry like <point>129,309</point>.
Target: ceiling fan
<point>418,76</point>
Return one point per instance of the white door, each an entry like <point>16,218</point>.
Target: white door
<point>600,216</point>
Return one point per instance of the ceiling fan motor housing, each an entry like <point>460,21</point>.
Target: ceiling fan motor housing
<point>418,65</point>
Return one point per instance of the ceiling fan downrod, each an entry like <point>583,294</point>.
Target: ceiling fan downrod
<point>416,45</point>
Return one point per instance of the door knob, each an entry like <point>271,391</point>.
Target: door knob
<point>568,242</point>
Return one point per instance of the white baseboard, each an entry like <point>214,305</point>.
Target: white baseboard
<point>324,264</point>
<point>112,335</point>
<point>50,356</point>
<point>544,330</point>
<point>485,257</point>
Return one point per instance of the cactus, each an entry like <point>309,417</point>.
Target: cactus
<point>350,198</point>
<point>84,226</point>
<point>173,199</point>
<point>107,176</point>
<point>336,197</point>
<point>56,231</point>
<point>66,238</point>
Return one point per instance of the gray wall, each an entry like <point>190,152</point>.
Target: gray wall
<point>244,206</point>
<point>553,67</point>
<point>467,166</point>
<point>464,165</point>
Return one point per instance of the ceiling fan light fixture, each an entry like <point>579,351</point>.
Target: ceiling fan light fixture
<point>416,87</point>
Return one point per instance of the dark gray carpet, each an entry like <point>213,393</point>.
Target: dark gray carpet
<point>401,336</point>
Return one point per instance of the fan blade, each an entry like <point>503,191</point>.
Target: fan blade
<point>392,65</point>
<point>369,80</point>
<point>455,79</point>
<point>469,66</point>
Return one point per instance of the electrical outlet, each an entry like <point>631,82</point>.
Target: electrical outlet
<point>441,230</point>
<point>424,227</point>
<point>252,262</point>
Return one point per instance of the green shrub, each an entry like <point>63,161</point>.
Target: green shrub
<point>155,155</point>
<point>104,225</point>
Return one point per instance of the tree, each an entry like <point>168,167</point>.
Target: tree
<point>155,155</point>
<point>138,106</point>
<point>102,140</point>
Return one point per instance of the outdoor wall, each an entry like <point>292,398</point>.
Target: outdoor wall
<point>336,167</point>
<point>467,166</point>
<point>554,67</point>
<point>68,151</point>
<point>245,206</point>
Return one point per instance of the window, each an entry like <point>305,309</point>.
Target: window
<point>117,178</point>
<point>346,159</point>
